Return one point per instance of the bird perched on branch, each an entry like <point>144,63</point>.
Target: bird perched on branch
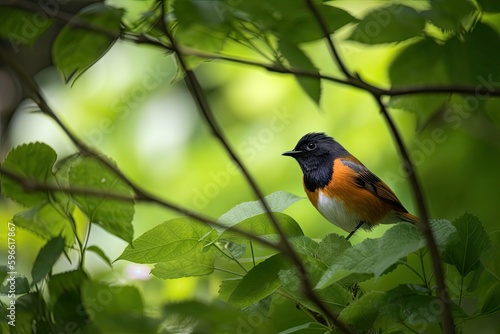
<point>342,189</point>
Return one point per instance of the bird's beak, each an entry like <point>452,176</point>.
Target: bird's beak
<point>291,153</point>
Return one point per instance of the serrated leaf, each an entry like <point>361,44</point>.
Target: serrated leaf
<point>226,288</point>
<point>99,252</point>
<point>196,264</point>
<point>394,23</point>
<point>298,59</point>
<point>66,281</point>
<point>91,45</point>
<point>331,247</point>
<point>431,61</point>
<point>451,15</point>
<point>22,27</point>
<point>490,303</point>
<point>375,256</point>
<point>467,244</point>
<point>407,304</point>
<point>46,258</point>
<point>47,222</point>
<point>115,216</point>
<point>261,225</point>
<point>277,201</point>
<point>174,239</point>
<point>21,285</point>
<point>362,313</point>
<point>489,256</point>
<point>260,282</point>
<point>34,162</point>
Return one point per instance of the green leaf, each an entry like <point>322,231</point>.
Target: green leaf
<point>66,281</point>
<point>260,282</point>
<point>277,201</point>
<point>476,62</point>
<point>21,285</point>
<point>34,162</point>
<point>262,226</point>
<point>292,18</point>
<point>489,256</point>
<point>91,45</point>
<point>299,60</point>
<point>490,6</point>
<point>198,264</point>
<point>451,15</point>
<point>177,238</point>
<point>305,28</point>
<point>47,222</point>
<point>362,313</point>
<point>467,245</point>
<point>22,27</point>
<point>99,252</point>
<point>331,247</point>
<point>394,23</point>
<point>405,303</point>
<point>304,245</point>
<point>116,309</point>
<point>431,61</point>
<point>375,256</point>
<point>227,287</point>
<point>203,318</point>
<point>201,38</point>
<point>490,303</point>
<point>46,258</point>
<point>3,273</point>
<point>115,216</point>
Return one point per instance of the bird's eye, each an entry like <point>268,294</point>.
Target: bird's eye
<point>311,146</point>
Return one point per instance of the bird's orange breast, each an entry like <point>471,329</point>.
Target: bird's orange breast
<point>357,202</point>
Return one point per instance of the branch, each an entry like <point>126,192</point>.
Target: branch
<point>34,185</point>
<point>448,322</point>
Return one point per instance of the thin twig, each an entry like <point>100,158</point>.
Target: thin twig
<point>448,322</point>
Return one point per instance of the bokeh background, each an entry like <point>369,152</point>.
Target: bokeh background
<point>130,107</point>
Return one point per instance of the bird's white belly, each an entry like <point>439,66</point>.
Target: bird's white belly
<point>335,212</point>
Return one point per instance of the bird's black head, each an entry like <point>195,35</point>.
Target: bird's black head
<point>315,153</point>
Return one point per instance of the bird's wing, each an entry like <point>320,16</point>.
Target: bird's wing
<point>369,181</point>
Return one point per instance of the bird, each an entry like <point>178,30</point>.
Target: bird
<point>342,189</point>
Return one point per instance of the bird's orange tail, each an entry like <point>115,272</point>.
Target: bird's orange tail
<point>408,217</point>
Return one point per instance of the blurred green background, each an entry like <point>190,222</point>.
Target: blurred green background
<point>127,107</point>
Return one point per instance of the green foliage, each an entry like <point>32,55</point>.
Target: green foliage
<point>91,45</point>
<point>389,24</point>
<point>467,244</point>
